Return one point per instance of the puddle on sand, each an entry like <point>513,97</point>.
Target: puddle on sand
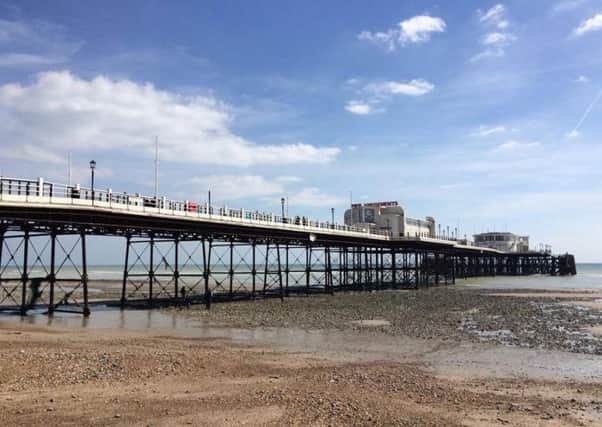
<point>446,358</point>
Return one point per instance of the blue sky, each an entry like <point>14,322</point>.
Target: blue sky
<point>484,115</point>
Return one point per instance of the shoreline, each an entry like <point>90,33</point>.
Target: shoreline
<point>384,357</point>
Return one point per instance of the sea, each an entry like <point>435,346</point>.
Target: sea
<point>589,277</point>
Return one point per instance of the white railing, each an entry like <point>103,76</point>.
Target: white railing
<point>40,191</point>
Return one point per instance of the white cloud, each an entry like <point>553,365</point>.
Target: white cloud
<point>513,146</point>
<point>582,79</point>
<point>486,131</point>
<point>233,187</point>
<point>314,197</point>
<point>360,108</point>
<point>417,29</point>
<point>415,87</point>
<point>60,111</point>
<point>592,24</point>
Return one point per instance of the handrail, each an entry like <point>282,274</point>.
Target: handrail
<point>76,194</point>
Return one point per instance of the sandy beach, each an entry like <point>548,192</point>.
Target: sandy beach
<point>453,356</point>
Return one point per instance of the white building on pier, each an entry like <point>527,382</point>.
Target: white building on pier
<point>389,217</point>
<point>505,242</point>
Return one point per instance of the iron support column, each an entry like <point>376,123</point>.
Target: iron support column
<point>84,272</point>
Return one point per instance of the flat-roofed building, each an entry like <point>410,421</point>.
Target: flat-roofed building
<point>389,217</point>
<point>505,242</point>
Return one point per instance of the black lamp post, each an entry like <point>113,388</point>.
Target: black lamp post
<point>282,200</point>
<point>92,167</point>
<point>332,214</point>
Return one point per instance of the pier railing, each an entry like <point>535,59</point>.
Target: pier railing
<point>44,192</point>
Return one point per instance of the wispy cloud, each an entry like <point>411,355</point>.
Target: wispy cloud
<point>234,187</point>
<point>582,79</point>
<point>31,153</point>
<point>417,29</point>
<point>314,197</point>
<point>494,16</point>
<point>289,179</point>
<point>361,108</point>
<point>416,87</point>
<point>567,6</point>
<point>514,146</point>
<point>377,93</point>
<point>487,131</point>
<point>592,24</point>
<point>575,132</point>
<point>498,38</point>
<point>11,59</point>
<point>34,43</point>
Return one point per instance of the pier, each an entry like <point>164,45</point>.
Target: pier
<point>180,252</point>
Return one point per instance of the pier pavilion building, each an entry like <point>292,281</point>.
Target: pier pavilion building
<point>505,242</point>
<point>389,217</point>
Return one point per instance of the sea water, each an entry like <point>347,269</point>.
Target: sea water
<point>589,276</point>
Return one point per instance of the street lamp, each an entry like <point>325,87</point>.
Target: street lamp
<point>92,167</point>
<point>282,200</point>
<point>332,214</point>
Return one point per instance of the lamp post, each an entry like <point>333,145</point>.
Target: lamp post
<point>332,216</point>
<point>209,202</point>
<point>92,167</point>
<point>282,200</point>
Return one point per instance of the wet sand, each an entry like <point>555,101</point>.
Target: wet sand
<point>383,358</point>
<point>567,294</point>
<point>596,330</point>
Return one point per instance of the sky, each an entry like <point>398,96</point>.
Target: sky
<point>484,115</point>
